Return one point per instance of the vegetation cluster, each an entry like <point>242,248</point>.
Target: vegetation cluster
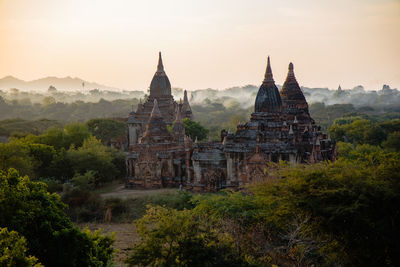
<point>330,214</point>
<point>342,213</point>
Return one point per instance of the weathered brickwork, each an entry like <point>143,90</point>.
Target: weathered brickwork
<point>280,128</point>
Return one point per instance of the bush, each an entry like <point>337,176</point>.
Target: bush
<point>27,207</point>
<point>13,250</point>
<point>53,185</point>
<point>329,214</point>
<point>178,238</point>
<point>84,205</point>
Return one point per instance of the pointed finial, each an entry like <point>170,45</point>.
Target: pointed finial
<point>196,141</point>
<point>160,66</point>
<point>268,73</point>
<point>155,113</point>
<point>185,98</point>
<point>295,120</point>
<point>230,131</point>
<point>290,129</point>
<point>339,88</point>
<point>291,72</point>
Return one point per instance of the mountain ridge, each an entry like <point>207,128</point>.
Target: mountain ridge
<point>67,83</point>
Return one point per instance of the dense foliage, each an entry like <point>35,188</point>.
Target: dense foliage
<point>27,208</point>
<point>68,112</point>
<point>20,127</point>
<point>59,154</point>
<point>366,130</point>
<point>194,130</point>
<point>181,238</point>
<point>13,250</point>
<point>107,130</point>
<point>329,214</point>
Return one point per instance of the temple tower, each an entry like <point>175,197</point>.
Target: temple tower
<point>156,128</point>
<point>294,103</point>
<point>160,85</point>
<point>268,98</point>
<point>186,110</point>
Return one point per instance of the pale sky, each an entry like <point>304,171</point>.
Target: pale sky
<point>205,44</point>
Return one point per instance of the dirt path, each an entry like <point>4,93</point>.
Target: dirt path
<point>125,234</point>
<point>122,192</point>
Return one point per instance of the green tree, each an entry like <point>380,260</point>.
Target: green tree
<point>43,156</point>
<point>392,142</point>
<point>85,181</point>
<point>93,156</point>
<point>54,137</point>
<point>16,154</point>
<point>76,134</point>
<point>179,238</point>
<point>61,168</point>
<point>27,207</point>
<point>107,129</point>
<point>194,129</point>
<point>13,250</point>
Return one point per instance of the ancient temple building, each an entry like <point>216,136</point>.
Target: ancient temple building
<point>280,128</point>
<point>156,157</point>
<point>160,89</point>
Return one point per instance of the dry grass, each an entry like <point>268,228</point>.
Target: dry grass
<point>125,234</point>
<point>123,193</point>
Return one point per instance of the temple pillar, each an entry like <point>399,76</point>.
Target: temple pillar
<point>197,172</point>
<point>230,169</point>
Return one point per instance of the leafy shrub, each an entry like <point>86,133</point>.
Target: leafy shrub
<point>13,250</point>
<point>84,205</point>
<point>27,207</point>
<point>329,214</point>
<point>53,185</point>
<point>178,238</point>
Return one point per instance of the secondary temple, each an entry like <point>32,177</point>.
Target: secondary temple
<point>280,128</point>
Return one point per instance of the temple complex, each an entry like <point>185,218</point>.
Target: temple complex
<point>160,89</point>
<point>156,157</point>
<point>280,128</point>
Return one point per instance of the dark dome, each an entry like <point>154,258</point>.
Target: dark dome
<point>268,98</point>
<point>160,85</point>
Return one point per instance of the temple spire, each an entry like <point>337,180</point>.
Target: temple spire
<point>185,98</point>
<point>291,72</point>
<point>268,77</point>
<point>178,117</point>
<point>155,113</point>
<point>160,66</point>
<point>268,98</point>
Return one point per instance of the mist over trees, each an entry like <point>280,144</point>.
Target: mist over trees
<point>329,214</point>
<point>215,109</point>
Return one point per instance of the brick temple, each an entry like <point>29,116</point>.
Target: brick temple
<point>280,128</point>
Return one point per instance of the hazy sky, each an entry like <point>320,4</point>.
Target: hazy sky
<point>207,43</point>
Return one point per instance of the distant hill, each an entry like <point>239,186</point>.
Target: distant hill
<point>68,90</point>
<point>63,84</point>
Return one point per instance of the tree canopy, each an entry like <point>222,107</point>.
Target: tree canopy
<point>328,214</point>
<point>28,209</point>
